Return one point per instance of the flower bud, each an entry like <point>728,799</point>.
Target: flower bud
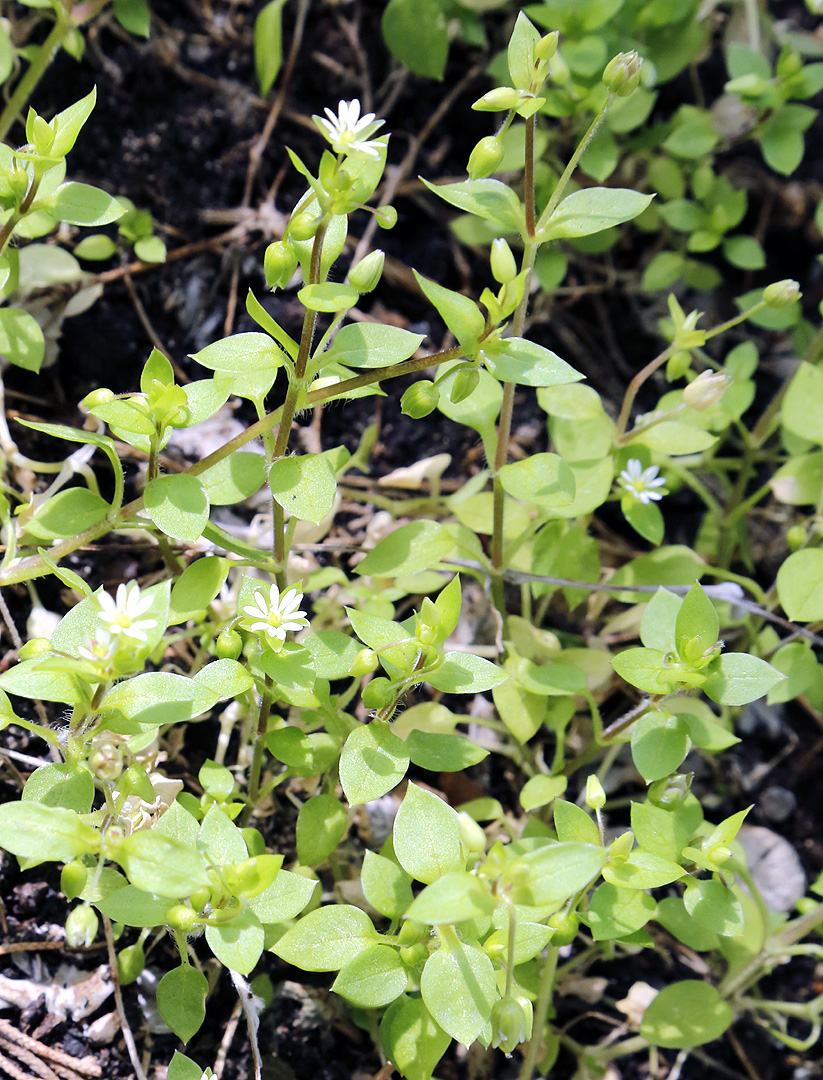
<point>36,647</point>
<point>622,73</point>
<point>182,917</point>
<point>378,694</point>
<point>509,1024</point>
<point>303,226</point>
<point>367,273</point>
<point>414,956</point>
<point>796,537</point>
<point>73,878</point>
<point>135,781</point>
<point>719,854</point>
<point>228,646</point>
<point>420,399</point>
<point>546,47</point>
<point>363,663</point>
<point>386,217</point>
<point>97,397</point>
<point>485,158</point>
<point>411,932</point>
<point>279,264</point>
<point>706,390</point>
<point>470,833</point>
<point>621,847</point>
<point>106,763</point>
<point>501,99</point>
<point>565,926</point>
<point>82,925</point>
<point>200,898</point>
<point>504,267</point>
<point>465,383</point>
<point>781,294</point>
<point>670,791</point>
<point>595,795</point>
<point>130,964</point>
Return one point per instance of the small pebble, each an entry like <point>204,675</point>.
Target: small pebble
<point>777,803</point>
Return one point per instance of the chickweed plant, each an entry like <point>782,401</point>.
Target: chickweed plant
<point>330,684</point>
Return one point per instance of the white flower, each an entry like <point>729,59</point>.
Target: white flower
<point>275,617</point>
<point>122,612</point>
<point>348,132</point>
<point>99,647</point>
<point>641,483</point>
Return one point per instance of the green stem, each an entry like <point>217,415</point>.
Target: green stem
<point>37,68</point>
<point>541,1012</point>
<point>562,183</point>
<point>633,389</point>
<point>259,747</point>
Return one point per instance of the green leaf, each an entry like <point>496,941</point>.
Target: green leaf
<point>268,44</point>
<point>591,210</point>
<point>697,625</point>
<point>372,345</point>
<point>373,761</point>
<point>541,790</point>
<point>386,886</point>
<point>686,1014</point>
<point>31,830</point>
<point>616,913</point>
<point>744,252</point>
<point>181,999</point>
<point>178,505</point>
<point>802,411</point>
<point>526,363</point>
<point>573,824</point>
<point>241,353</point>
<point>660,742</point>
<point>487,199</point>
<point>799,664</point>
<point>329,296</point>
<point>234,479</point>
<point>642,870</point>
<point>219,839</point>
<point>21,339</point>
<point>61,784</point>
<point>800,585</point>
<point>714,907</point>
<point>657,627</point>
<point>321,825</point>
<point>738,678</point>
<point>333,653</point>
<point>453,898</point>
<point>223,679</point>
<point>672,915</point>
<point>69,123</point>
<point>440,752</point>
<point>134,16</point>
<point>427,836</point>
<point>781,137</point>
<point>159,697</point>
<point>133,907</point>
<point>661,832</point>
<point>417,34</point>
<point>284,899</point>
<point>644,669</point>
<point>196,587</point>
<point>237,944</point>
<point>459,989</point>
<point>42,680</point>
<point>419,545</point>
<point>544,480</point>
<point>183,1068</point>
<point>465,673</point>
<point>82,204</point>
<point>160,864</point>
<point>520,52</point>
<point>412,1039</point>
<point>645,518</point>
<point>67,513</point>
<point>304,485</point>
<point>373,979</point>
<point>327,939</point>
<point>675,438</point>
<point>558,871</point>
<point>458,312</point>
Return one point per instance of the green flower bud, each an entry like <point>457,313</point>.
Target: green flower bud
<point>670,791</point>
<point>73,878</point>
<point>789,63</point>
<point>200,898</point>
<point>130,964</point>
<point>378,694</point>
<point>82,925</point>
<point>796,537</point>
<point>386,217</point>
<point>719,854</point>
<point>622,73</point>
<point>411,932</point>
<point>363,663</point>
<point>38,646</point>
<point>303,226</point>
<point>254,875</point>
<point>106,763</point>
<point>420,399</point>
<point>255,844</point>
<point>706,390</point>
<point>465,382</point>
<point>781,294</point>
<point>228,646</point>
<point>621,847</point>
<point>97,397</point>
<point>501,99</point>
<point>565,926</point>
<point>414,956</point>
<point>504,267</point>
<point>595,795</point>
<point>279,264</point>
<point>367,273</point>
<point>42,135</point>
<point>546,47</point>
<point>182,917</point>
<point>485,158</point>
<point>470,833</point>
<point>509,1024</point>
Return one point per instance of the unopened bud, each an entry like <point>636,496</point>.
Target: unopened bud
<point>386,217</point>
<point>719,855</point>
<point>97,397</point>
<point>411,932</point>
<point>595,795</point>
<point>470,833</point>
<point>465,383</point>
<point>796,537</point>
<point>73,878</point>
<point>504,267</point>
<point>501,99</point>
<point>363,663</point>
<point>41,623</point>
<point>378,694</point>
<point>106,763</point>
<point>420,399</point>
<point>228,646</point>
<point>81,927</point>
<point>130,964</point>
<point>622,73</point>
<point>670,791</point>
<point>365,275</point>
<point>781,294</point>
<point>485,158</point>
<point>621,847</point>
<point>546,47</point>
<point>706,390</point>
<point>509,1024</point>
<point>279,264</point>
<point>303,226</point>
<point>565,926</point>
<point>414,956</point>
<point>35,648</point>
<point>182,917</point>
